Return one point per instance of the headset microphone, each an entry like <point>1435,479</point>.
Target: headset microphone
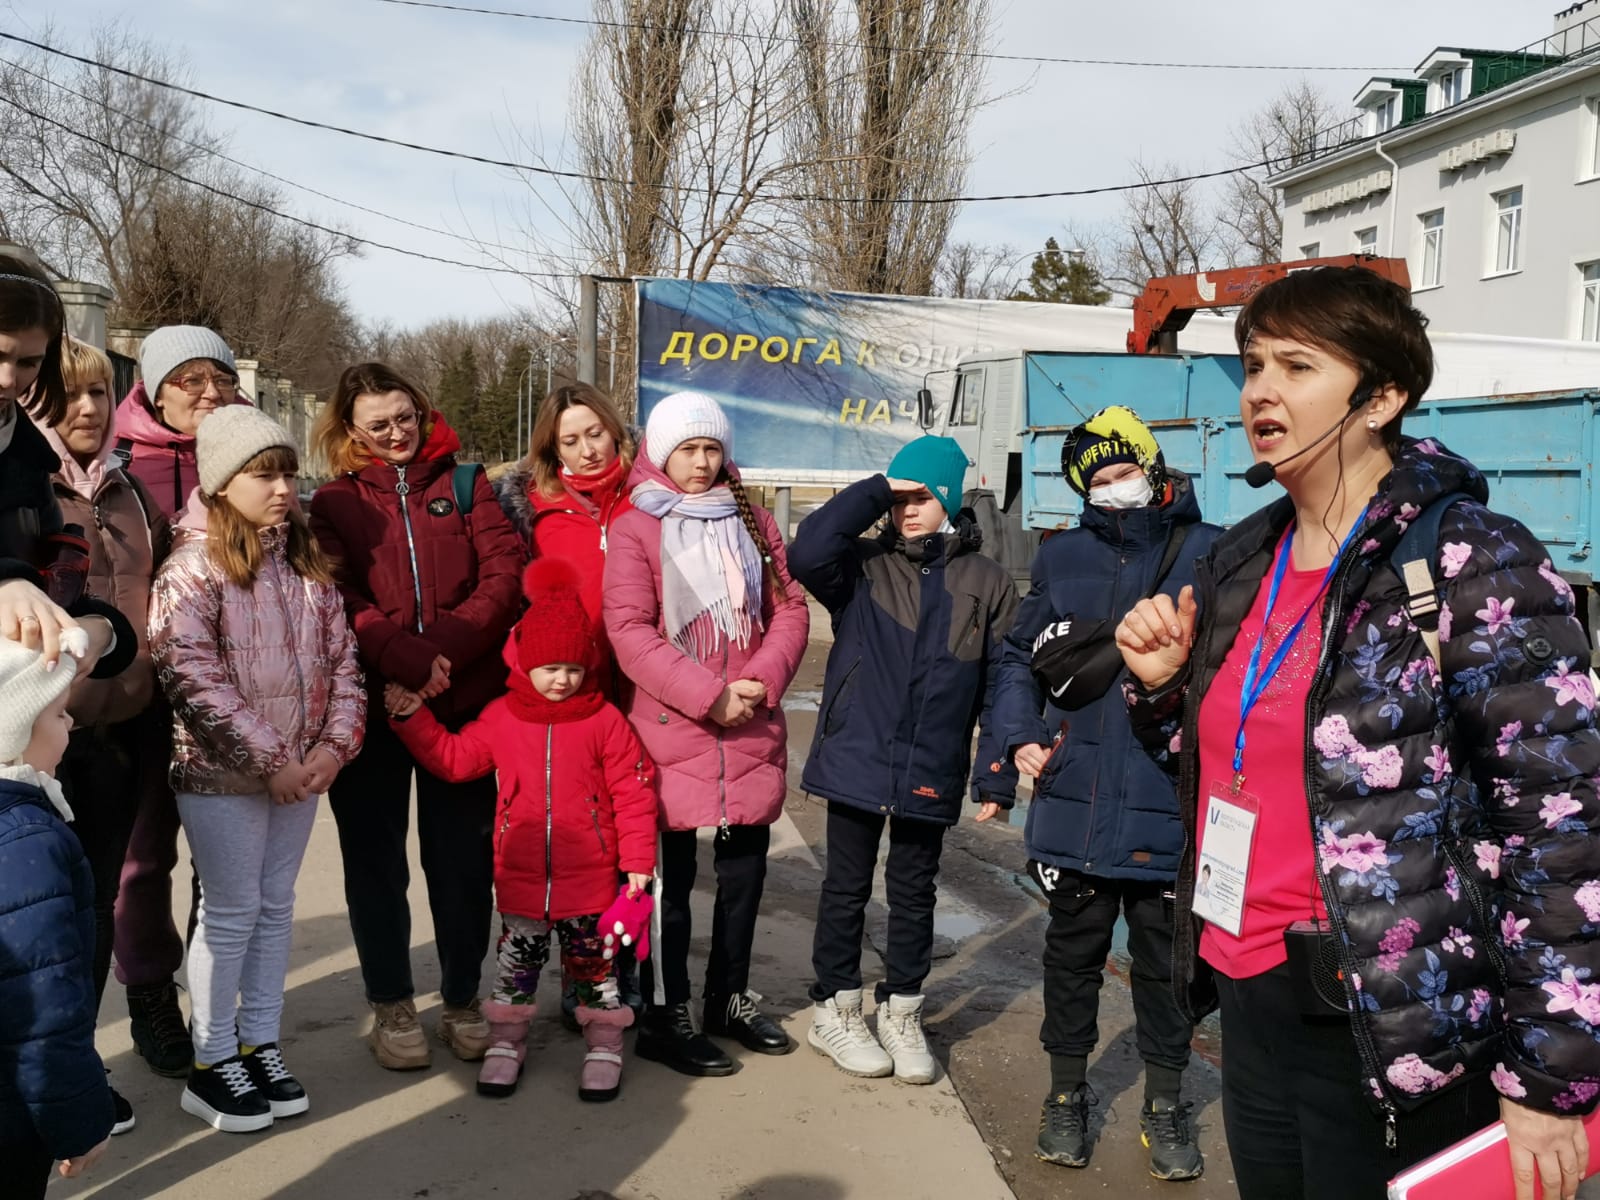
<point>1263,473</point>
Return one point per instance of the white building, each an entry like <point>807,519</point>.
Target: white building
<point>1483,171</point>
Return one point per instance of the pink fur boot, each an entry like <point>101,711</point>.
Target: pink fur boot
<point>508,1045</point>
<point>602,1066</point>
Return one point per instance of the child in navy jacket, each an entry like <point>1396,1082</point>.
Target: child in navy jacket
<point>54,1100</point>
<point>918,617</point>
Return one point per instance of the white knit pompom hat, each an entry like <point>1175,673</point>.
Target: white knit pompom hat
<point>231,437</point>
<point>26,690</point>
<point>681,416</point>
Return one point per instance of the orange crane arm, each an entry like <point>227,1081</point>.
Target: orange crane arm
<point>1166,304</point>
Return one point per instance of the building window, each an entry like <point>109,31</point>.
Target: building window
<point>1367,240</point>
<point>1589,302</point>
<point>1508,231</point>
<point>1592,149</point>
<point>1452,87</point>
<point>1431,273</point>
<point>1388,113</point>
<point>1311,250</point>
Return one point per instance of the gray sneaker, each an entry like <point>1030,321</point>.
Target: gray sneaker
<point>1064,1128</point>
<point>1164,1125</point>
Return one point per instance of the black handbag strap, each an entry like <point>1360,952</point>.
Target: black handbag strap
<point>1169,557</point>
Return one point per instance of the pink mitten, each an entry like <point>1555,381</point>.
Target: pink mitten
<point>627,923</point>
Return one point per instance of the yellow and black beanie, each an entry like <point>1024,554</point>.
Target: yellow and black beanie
<point>1112,435</point>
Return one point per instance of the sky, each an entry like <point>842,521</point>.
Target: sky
<point>486,85</point>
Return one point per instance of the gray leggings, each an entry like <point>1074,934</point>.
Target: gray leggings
<point>247,851</point>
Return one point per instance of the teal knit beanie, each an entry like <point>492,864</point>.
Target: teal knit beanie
<point>938,464</point>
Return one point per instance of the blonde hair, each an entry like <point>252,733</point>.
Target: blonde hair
<point>542,451</point>
<point>83,365</point>
<point>343,453</point>
<point>234,544</point>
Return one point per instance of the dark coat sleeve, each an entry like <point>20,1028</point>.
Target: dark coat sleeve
<point>824,555</point>
<point>1527,721</point>
<point>994,775</point>
<point>47,1001</point>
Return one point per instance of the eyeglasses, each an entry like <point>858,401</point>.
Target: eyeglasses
<point>384,430</point>
<point>195,385</point>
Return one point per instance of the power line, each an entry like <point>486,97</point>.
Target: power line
<point>714,193</point>
<point>227,158</point>
<point>268,209</point>
<point>972,54</point>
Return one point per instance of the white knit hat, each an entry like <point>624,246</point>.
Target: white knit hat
<point>231,437</point>
<point>169,347</point>
<point>26,690</point>
<point>681,416</point>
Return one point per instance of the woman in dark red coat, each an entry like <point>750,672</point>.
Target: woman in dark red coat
<point>564,496</point>
<point>432,592</point>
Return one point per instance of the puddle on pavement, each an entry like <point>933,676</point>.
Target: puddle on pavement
<point>957,925</point>
<point>801,701</point>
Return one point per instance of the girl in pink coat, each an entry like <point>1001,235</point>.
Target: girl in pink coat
<point>707,624</point>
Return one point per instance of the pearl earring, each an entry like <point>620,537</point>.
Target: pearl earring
<point>1372,424</point>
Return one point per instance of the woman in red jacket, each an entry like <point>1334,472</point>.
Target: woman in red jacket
<point>432,592</point>
<point>563,498</point>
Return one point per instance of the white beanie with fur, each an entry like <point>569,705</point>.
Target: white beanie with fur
<point>681,416</point>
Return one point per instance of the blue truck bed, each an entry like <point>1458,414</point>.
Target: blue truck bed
<point>1537,449</point>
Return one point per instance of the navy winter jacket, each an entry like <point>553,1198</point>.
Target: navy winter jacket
<point>52,1083</point>
<point>917,628</point>
<point>1101,807</point>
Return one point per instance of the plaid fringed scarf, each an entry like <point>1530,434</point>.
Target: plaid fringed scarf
<point>710,569</point>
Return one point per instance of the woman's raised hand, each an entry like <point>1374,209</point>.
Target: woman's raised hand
<point>1157,636</point>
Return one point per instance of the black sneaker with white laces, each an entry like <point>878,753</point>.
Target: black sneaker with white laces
<point>1164,1126</point>
<point>226,1098</point>
<point>272,1080</point>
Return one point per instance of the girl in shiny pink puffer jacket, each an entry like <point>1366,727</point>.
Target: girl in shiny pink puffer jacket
<point>251,647</point>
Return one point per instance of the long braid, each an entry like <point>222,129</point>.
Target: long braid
<point>742,501</point>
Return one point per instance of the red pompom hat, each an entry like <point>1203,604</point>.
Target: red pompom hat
<point>555,629</point>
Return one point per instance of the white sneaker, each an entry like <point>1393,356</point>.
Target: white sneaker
<point>840,1031</point>
<point>900,1031</point>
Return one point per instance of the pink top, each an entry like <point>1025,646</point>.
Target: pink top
<point>1282,885</point>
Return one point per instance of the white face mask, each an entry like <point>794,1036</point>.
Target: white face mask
<point>1134,492</point>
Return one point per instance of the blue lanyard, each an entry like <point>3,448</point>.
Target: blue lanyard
<point>1257,679</point>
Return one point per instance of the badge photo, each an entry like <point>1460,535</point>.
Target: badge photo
<point>440,507</point>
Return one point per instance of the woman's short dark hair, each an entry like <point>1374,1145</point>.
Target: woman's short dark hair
<point>28,301</point>
<point>1362,319</point>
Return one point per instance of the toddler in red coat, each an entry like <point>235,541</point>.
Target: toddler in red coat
<point>577,806</point>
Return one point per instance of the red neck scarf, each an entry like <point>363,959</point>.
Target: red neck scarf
<point>596,494</point>
<point>528,705</point>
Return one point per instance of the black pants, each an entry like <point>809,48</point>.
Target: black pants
<point>1294,1108</point>
<point>1083,913</point>
<point>909,877</point>
<point>740,860</point>
<point>102,775</point>
<point>27,1168</point>
<point>372,805</point>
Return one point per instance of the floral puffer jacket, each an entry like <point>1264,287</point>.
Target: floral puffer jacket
<point>1456,817</point>
<point>257,677</point>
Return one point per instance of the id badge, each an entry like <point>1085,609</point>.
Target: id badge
<point>1222,867</point>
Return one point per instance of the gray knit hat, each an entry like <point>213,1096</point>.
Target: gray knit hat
<point>681,416</point>
<point>231,437</point>
<point>168,348</point>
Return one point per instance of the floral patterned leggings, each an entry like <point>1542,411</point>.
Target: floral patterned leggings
<point>524,950</point>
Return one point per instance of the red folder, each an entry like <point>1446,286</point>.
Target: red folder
<point>1476,1168</point>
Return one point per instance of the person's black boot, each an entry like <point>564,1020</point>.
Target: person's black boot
<point>1164,1125</point>
<point>160,1035</point>
<point>668,1036</point>
<point>738,1017</point>
<point>1064,1128</point>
